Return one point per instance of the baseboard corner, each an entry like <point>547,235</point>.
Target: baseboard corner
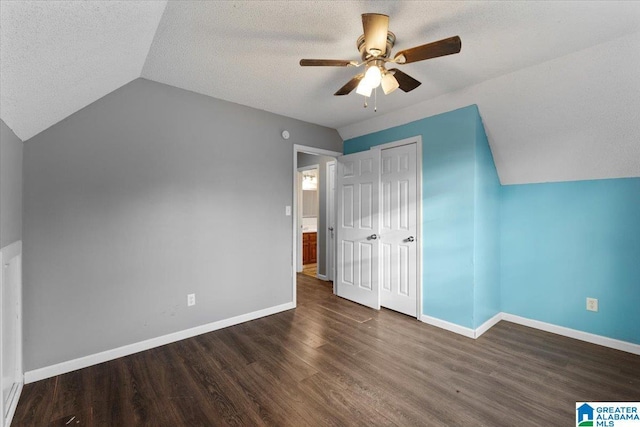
<point>488,325</point>
<point>451,327</point>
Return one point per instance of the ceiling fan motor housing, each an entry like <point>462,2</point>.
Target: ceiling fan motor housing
<point>391,40</point>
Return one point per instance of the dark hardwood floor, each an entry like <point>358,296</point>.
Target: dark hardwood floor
<point>332,362</point>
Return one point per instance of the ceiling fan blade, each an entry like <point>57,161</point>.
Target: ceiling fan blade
<point>351,85</point>
<point>430,50</point>
<point>375,27</point>
<point>325,63</point>
<point>406,82</point>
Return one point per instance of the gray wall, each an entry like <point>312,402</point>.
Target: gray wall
<point>10,186</point>
<point>305,159</point>
<point>147,195</point>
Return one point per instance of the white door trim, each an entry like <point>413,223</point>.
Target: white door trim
<point>331,254</point>
<point>298,219</point>
<point>411,140</point>
<point>297,148</point>
<point>8,254</point>
<point>309,167</point>
<point>418,141</point>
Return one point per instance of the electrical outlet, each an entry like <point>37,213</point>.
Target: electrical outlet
<point>592,304</point>
<point>191,300</point>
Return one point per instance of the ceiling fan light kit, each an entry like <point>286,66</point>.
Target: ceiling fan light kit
<point>375,47</point>
<point>364,90</point>
<point>389,83</point>
<point>372,77</point>
<point>371,80</point>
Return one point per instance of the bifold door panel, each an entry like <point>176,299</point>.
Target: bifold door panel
<point>398,229</point>
<point>377,228</point>
<point>357,224</point>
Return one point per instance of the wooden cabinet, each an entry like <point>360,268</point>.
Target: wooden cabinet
<point>309,248</point>
<point>313,248</point>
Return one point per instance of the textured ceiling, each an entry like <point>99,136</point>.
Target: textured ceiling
<point>57,57</point>
<point>556,82</point>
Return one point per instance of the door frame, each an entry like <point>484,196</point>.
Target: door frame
<point>331,249</point>
<point>419,267</point>
<point>8,254</point>
<point>297,148</point>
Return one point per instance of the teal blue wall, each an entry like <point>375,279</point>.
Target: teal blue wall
<point>448,152</point>
<point>533,250</point>
<point>563,242</point>
<point>487,229</point>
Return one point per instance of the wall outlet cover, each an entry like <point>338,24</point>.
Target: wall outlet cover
<point>592,304</point>
<point>191,300</point>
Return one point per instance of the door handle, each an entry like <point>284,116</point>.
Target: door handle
<point>372,237</point>
<point>330,228</point>
<point>410,239</point>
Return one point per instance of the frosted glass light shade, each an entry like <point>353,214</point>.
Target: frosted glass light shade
<point>364,89</point>
<point>389,83</point>
<point>373,76</point>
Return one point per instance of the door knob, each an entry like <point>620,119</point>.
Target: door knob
<point>410,239</point>
<point>330,228</point>
<point>373,237</point>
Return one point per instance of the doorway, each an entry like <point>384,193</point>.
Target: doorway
<point>309,158</point>
<point>308,216</point>
<point>378,227</point>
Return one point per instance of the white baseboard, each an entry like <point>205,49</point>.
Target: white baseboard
<point>13,406</point>
<point>487,325</point>
<point>536,324</point>
<point>573,333</point>
<point>467,332</point>
<point>105,356</point>
<point>322,277</point>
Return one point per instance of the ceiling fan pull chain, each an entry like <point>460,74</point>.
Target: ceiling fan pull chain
<point>375,100</point>
<point>365,102</point>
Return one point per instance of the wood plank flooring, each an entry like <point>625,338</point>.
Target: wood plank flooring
<point>332,362</point>
<point>310,269</point>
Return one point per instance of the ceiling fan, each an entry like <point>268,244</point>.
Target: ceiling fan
<point>375,50</point>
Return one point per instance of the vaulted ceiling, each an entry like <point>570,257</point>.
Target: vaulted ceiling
<point>557,83</point>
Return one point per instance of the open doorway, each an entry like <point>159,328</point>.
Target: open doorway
<point>313,207</point>
<point>308,215</point>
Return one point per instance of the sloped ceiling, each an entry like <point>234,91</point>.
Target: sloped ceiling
<point>556,82</point>
<point>57,57</point>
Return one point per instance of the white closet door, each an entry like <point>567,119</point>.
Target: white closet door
<point>398,229</point>
<point>357,228</point>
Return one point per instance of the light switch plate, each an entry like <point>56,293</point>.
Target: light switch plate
<point>287,210</point>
